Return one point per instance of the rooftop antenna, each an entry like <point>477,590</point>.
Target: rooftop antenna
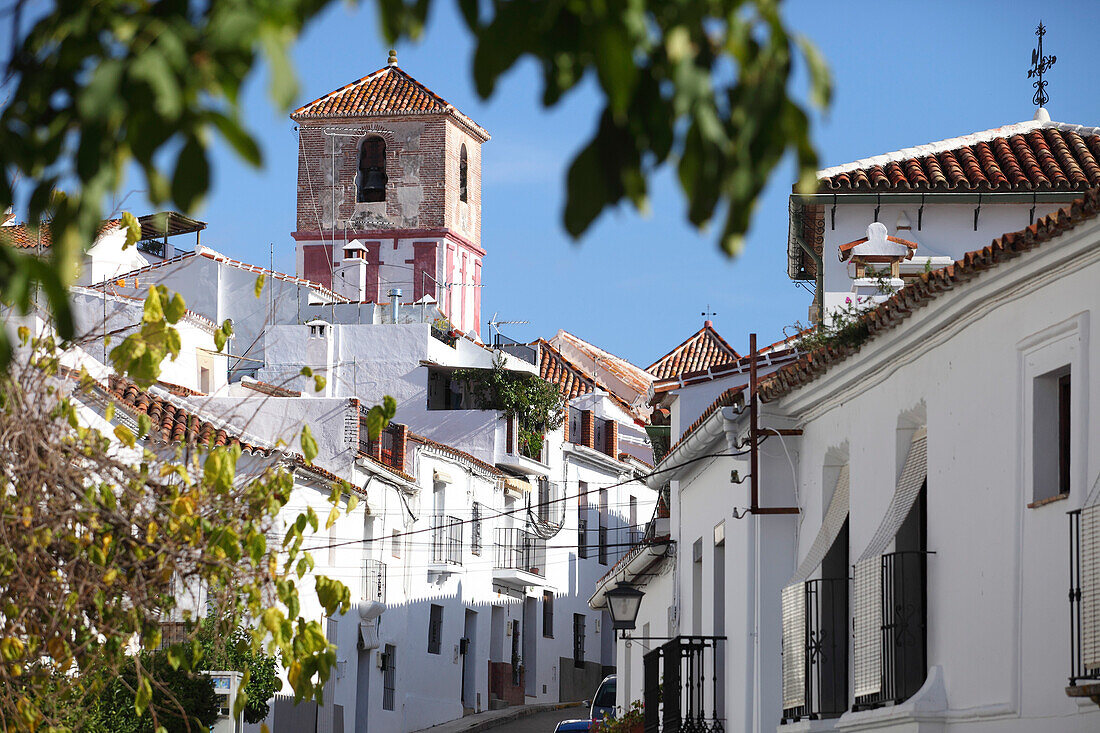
<point>1040,64</point>
<point>494,324</point>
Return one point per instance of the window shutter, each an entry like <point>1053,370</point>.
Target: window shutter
<point>831,524</point>
<point>867,627</point>
<point>794,646</point>
<point>1090,586</point>
<point>905,495</point>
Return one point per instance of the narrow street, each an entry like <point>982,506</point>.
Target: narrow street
<point>541,722</point>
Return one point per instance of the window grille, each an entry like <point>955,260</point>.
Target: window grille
<point>544,499</point>
<point>446,539</point>
<point>463,177</point>
<point>374,581</point>
<point>548,614</point>
<point>389,676</point>
<point>578,640</point>
<point>435,629</point>
<point>601,434</point>
<point>582,519</point>
<point>395,544</point>
<point>603,526</point>
<point>475,530</point>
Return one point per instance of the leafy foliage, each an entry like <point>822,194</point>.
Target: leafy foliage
<point>102,536</point>
<point>100,87</point>
<point>226,646</point>
<point>536,404</point>
<point>629,721</point>
<point>191,707</point>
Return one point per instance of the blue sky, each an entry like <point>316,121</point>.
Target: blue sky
<point>905,74</point>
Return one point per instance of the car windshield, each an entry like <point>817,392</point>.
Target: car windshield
<point>605,696</point>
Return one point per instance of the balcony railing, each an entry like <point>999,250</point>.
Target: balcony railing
<point>386,448</point>
<point>825,651</point>
<point>446,540</point>
<point>904,636</point>
<point>374,581</point>
<point>518,549</point>
<point>682,686</point>
<point>1084,606</point>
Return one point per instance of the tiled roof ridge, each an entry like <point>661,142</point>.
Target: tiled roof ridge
<point>19,235</point>
<point>455,452</point>
<point>708,330</point>
<point>568,364</point>
<point>440,101</point>
<point>953,143</point>
<point>928,286</point>
<point>213,254</point>
<point>722,370</point>
<point>642,379</point>
<point>174,422</point>
<point>272,390</point>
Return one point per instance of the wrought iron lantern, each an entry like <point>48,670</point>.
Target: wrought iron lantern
<point>623,603</point>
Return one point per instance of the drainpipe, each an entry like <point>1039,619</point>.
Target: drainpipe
<point>395,302</point>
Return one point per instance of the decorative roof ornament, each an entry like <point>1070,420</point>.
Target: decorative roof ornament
<point>392,61</point>
<point>1040,64</point>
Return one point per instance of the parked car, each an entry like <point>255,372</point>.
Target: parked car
<point>603,704</point>
<point>582,724</point>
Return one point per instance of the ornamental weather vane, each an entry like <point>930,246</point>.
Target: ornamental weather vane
<point>1040,64</point>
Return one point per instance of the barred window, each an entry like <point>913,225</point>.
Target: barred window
<point>578,639</point>
<point>548,614</point>
<point>582,519</point>
<point>389,676</point>
<point>475,530</point>
<point>435,629</point>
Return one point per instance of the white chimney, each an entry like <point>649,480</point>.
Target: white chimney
<point>350,276</point>
<point>395,303</point>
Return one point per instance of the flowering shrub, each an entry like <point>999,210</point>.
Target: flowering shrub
<point>630,721</point>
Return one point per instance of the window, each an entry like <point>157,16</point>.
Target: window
<point>475,530</point>
<point>372,171</point>
<point>463,178</point>
<point>435,629</point>
<point>603,526</point>
<point>395,548</point>
<point>578,639</point>
<point>576,426</point>
<point>601,434</point>
<point>204,380</point>
<point>582,519</point>
<point>543,512</point>
<point>1051,435</point>
<point>389,676</point>
<point>548,614</point>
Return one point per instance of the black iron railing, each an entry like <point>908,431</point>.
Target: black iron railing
<point>446,540</point>
<point>386,448</point>
<point>904,640</point>
<point>518,549</point>
<point>683,691</point>
<point>1078,668</point>
<point>374,581</point>
<point>826,651</point>
<point>517,349</point>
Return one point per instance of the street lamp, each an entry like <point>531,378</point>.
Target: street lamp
<point>623,603</point>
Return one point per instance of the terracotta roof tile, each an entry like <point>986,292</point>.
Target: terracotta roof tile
<point>23,236</point>
<point>1030,156</point>
<point>455,453</point>
<point>636,377</point>
<point>173,424</point>
<point>699,352</point>
<point>569,378</point>
<point>918,293</point>
<point>388,91</point>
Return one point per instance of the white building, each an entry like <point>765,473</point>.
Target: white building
<point>908,563</point>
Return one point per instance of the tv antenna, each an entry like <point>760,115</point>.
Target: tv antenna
<point>494,325</point>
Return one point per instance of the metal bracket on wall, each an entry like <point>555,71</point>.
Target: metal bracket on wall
<point>977,212</point>
<point>832,214</point>
<point>920,213</point>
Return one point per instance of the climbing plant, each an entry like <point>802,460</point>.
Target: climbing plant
<point>537,405</point>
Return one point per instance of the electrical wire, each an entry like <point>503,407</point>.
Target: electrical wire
<point>510,512</point>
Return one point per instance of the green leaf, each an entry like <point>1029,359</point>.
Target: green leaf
<point>125,436</point>
<point>133,229</point>
<point>152,312</point>
<point>176,309</point>
<point>258,288</point>
<point>241,142</point>
<point>309,445</point>
<point>821,81</point>
<point>143,696</point>
<point>318,383</point>
<point>191,179</point>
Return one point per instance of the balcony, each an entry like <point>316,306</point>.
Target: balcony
<point>682,689</point>
<point>520,558</point>
<point>446,540</point>
<point>1084,603</point>
<point>903,659</point>
<point>519,455</point>
<point>822,654</point>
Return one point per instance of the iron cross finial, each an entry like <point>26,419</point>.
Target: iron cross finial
<point>708,313</point>
<point>1040,64</point>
